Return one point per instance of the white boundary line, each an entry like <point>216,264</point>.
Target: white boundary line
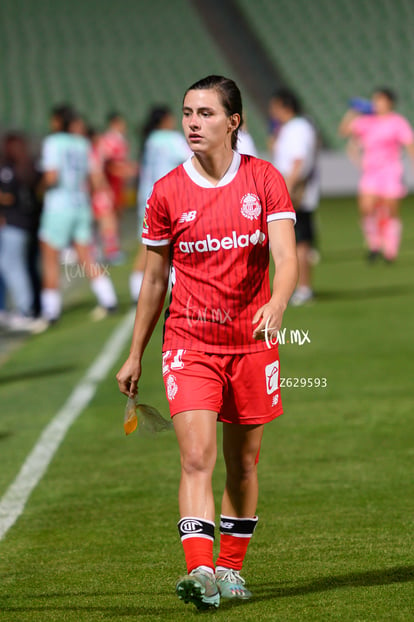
<point>35,466</point>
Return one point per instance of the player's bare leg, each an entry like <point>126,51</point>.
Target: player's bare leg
<point>303,292</point>
<point>392,229</point>
<point>109,233</point>
<point>196,434</point>
<point>241,446</point>
<point>370,224</point>
<point>101,283</point>
<point>51,301</point>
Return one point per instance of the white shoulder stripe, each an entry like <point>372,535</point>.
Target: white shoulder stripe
<point>155,242</point>
<point>281,216</point>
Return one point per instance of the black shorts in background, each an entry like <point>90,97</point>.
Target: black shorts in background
<point>305,227</point>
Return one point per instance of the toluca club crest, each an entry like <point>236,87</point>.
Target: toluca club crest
<point>251,207</point>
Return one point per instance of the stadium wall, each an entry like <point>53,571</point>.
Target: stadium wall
<point>339,176</point>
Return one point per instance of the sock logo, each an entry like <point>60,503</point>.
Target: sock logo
<point>191,526</point>
<point>226,525</point>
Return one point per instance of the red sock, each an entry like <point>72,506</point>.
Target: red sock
<point>197,538</point>
<point>235,535</point>
<point>110,243</point>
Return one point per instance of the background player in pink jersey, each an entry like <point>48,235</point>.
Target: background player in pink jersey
<point>380,136</point>
<point>213,218</point>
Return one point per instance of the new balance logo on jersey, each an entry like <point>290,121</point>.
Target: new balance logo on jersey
<point>225,243</point>
<point>187,216</point>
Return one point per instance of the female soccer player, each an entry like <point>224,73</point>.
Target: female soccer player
<point>381,136</point>
<point>67,215</point>
<point>214,218</point>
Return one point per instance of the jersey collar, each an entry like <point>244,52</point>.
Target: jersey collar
<point>201,181</point>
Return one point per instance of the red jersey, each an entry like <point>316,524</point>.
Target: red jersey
<point>113,146</point>
<point>219,249</point>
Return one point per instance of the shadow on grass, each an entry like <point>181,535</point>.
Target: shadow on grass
<point>351,295</point>
<point>387,576</point>
<point>110,612</point>
<point>262,592</point>
<point>342,255</point>
<point>36,373</point>
<point>87,306</point>
<point>345,255</point>
<point>5,434</point>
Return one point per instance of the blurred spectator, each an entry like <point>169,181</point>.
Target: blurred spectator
<point>19,222</point>
<point>67,215</point>
<point>163,148</point>
<point>380,133</point>
<point>4,316</point>
<point>295,152</point>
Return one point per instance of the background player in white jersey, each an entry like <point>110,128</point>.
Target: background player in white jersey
<point>213,218</point>
<point>295,156</point>
<point>163,148</point>
<point>67,215</point>
<point>245,142</point>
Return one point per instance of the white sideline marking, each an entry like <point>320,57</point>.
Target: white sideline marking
<point>35,466</point>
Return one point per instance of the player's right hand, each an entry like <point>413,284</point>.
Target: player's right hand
<point>128,377</point>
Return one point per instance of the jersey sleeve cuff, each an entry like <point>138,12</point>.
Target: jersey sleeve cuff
<point>149,242</point>
<point>281,216</point>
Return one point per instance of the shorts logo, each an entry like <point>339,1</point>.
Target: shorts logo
<point>191,526</point>
<point>251,207</point>
<point>272,377</point>
<point>172,387</point>
<point>187,216</point>
<point>275,400</point>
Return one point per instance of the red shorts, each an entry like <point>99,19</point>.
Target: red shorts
<point>240,388</point>
<point>102,203</point>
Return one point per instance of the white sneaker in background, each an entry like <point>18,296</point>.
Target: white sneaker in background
<point>300,296</point>
<point>23,324</point>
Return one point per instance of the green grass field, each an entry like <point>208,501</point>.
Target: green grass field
<point>98,537</point>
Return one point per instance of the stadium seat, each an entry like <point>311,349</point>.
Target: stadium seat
<point>330,51</point>
<point>100,56</point>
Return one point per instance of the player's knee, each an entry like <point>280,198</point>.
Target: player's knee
<point>242,467</point>
<point>198,460</point>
